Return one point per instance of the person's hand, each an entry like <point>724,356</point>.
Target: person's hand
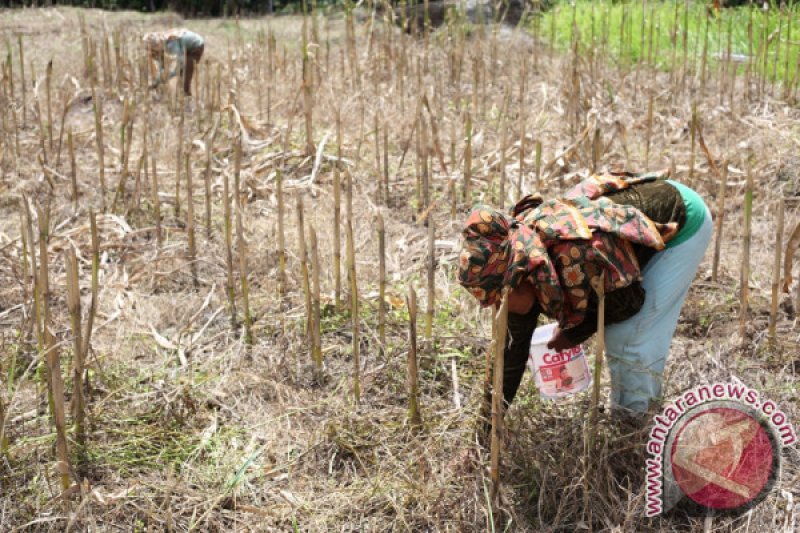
<point>559,341</point>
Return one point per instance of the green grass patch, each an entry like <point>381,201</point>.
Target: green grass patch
<point>663,32</point>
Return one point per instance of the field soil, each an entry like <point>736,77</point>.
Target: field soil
<point>190,427</point>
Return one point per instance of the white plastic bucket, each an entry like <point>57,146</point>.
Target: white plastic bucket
<point>557,374</point>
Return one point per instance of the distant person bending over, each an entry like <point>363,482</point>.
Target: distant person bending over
<point>185,45</point>
<point>645,236</point>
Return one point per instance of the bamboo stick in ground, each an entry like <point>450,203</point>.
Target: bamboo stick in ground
<point>414,414</point>
<point>303,257</point>
<point>744,280</point>
<point>128,138</point>
<point>281,234</point>
<point>723,187</point>
<point>501,326</point>
<point>64,112</point>
<point>431,279</point>
<point>378,172</point>
<point>354,310</point>
<point>241,243</point>
<point>386,163</point>
<point>475,84</point>
<point>74,306</point>
<point>106,59</point>
<point>348,197</point>
<point>190,233</point>
<point>207,179</point>
<point>598,285</point>
<point>115,37</point>
<point>316,318</point>
<point>230,288</point>
<point>8,73</point>
<point>48,80</point>
<point>418,161</point>
<point>468,161</point>
<point>308,94</point>
<point>73,172</point>
<point>451,185</point>
<point>503,149</point>
<point>37,308</point>
<point>36,326</point>
<point>98,127</point>
<point>597,149</point>
<point>776,274</point>
<point>156,200</point>
<point>425,161</point>
<point>23,259</point>
<point>23,87</point>
<point>54,381</point>
<point>42,132</point>
<point>84,45</point>
<point>381,283</point>
<point>124,154</point>
<point>337,236</point>
<point>179,159</point>
<point>87,337</point>
<point>16,151</point>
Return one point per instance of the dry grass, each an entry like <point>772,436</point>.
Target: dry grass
<point>190,428</point>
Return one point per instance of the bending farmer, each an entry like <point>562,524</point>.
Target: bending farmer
<point>185,45</point>
<point>644,235</point>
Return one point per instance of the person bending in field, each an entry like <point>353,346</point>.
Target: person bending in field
<point>645,235</point>
<point>185,45</point>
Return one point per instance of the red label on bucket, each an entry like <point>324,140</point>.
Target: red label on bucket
<point>557,373</point>
<point>559,358</point>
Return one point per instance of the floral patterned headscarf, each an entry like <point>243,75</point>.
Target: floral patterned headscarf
<point>500,251</point>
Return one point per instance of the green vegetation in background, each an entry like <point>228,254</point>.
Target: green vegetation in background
<point>626,35</point>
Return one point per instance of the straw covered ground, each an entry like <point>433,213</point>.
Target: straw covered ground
<point>188,426</point>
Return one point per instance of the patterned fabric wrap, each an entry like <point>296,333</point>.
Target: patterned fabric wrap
<point>154,42</point>
<point>499,251</point>
<point>559,245</point>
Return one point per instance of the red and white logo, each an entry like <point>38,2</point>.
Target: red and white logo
<point>564,356</point>
<point>722,458</point>
<point>715,448</point>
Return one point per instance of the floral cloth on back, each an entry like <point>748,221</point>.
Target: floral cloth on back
<point>559,245</point>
